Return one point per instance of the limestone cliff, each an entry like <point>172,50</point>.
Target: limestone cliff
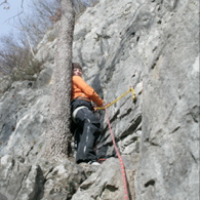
<point>150,45</point>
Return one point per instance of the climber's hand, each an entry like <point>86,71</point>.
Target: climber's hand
<point>106,105</point>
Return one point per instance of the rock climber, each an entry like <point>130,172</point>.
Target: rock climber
<point>86,123</point>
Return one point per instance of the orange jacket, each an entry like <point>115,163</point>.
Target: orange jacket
<point>81,89</point>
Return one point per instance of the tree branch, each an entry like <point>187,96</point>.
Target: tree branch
<point>4,2</point>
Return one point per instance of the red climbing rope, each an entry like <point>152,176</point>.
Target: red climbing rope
<point>126,196</point>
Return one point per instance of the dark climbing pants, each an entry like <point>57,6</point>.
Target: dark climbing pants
<point>86,134</point>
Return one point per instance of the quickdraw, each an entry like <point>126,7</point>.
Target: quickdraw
<point>113,102</point>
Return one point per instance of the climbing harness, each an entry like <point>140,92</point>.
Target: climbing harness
<point>126,194</point>
<point>76,111</point>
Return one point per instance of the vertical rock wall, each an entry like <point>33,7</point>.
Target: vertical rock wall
<point>153,46</point>
<point>169,151</point>
<point>150,45</point>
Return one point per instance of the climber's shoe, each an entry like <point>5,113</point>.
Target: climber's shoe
<point>93,162</point>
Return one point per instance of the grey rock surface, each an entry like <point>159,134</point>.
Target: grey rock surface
<point>170,110</point>
<point>20,181</point>
<point>150,45</point>
<point>62,180</point>
<point>107,182</point>
<point>23,114</point>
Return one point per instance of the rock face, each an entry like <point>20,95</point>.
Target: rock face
<point>19,180</point>
<point>169,151</point>
<point>152,46</point>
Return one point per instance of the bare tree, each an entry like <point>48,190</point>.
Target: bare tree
<point>57,137</point>
<point>58,133</point>
<point>35,24</point>
<point>4,3</point>
<point>16,50</point>
<point>12,54</point>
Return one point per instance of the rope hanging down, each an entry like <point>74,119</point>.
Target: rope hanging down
<point>126,194</point>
